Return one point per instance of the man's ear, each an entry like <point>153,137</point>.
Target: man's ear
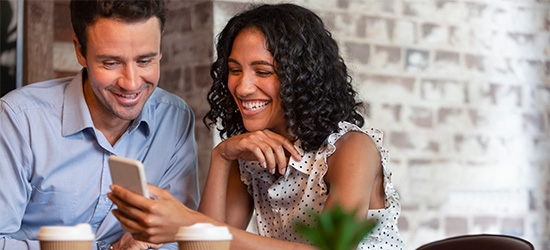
<point>78,50</point>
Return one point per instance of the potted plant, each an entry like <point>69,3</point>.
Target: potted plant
<point>336,229</point>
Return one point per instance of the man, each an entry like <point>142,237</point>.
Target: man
<point>56,136</point>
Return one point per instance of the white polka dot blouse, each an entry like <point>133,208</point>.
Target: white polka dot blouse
<point>281,200</point>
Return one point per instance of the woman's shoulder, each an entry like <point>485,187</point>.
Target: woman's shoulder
<point>354,134</point>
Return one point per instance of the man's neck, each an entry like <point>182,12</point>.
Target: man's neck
<point>110,125</point>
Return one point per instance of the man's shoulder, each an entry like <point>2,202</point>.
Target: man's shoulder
<point>161,96</point>
<point>43,94</point>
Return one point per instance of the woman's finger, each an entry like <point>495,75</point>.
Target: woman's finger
<point>281,146</point>
<point>286,144</point>
<point>268,148</point>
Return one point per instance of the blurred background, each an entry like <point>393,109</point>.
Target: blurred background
<point>461,89</point>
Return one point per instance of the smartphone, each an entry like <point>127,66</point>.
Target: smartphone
<point>128,173</point>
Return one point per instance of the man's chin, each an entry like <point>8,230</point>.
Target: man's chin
<point>128,115</point>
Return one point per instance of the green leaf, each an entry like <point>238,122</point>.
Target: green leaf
<point>336,229</point>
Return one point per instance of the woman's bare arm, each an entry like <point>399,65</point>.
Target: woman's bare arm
<point>355,174</point>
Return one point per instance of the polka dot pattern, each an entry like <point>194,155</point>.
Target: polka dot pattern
<point>281,200</point>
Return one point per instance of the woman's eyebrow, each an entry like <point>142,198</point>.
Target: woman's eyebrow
<point>261,62</point>
<point>258,62</point>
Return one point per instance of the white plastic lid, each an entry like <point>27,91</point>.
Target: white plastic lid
<point>80,232</point>
<point>203,231</point>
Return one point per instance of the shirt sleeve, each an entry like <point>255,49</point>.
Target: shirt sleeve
<point>15,159</point>
<point>170,246</point>
<point>8,244</point>
<point>182,179</point>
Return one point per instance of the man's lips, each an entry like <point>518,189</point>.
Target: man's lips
<point>126,98</point>
<point>131,96</point>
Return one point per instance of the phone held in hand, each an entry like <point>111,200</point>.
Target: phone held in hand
<point>128,173</point>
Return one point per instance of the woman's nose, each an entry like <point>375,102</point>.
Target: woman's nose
<point>246,85</point>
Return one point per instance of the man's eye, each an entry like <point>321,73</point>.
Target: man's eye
<point>110,64</point>
<point>144,62</point>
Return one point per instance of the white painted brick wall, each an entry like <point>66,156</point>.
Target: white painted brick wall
<point>462,91</point>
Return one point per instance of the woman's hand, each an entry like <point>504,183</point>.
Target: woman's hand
<point>154,220</point>
<point>265,146</point>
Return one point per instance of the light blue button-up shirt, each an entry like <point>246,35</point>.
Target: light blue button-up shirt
<point>53,162</point>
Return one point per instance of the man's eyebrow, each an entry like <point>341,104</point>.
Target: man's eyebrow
<point>152,54</point>
<point>107,56</point>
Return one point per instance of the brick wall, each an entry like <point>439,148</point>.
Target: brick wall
<point>187,50</point>
<point>460,88</point>
<point>462,91</point>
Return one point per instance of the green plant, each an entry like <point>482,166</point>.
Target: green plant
<point>336,229</point>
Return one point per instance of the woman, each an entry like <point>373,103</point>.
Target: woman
<point>292,141</point>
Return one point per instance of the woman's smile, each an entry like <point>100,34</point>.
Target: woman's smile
<point>254,105</point>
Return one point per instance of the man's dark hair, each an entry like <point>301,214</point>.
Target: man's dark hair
<point>85,13</point>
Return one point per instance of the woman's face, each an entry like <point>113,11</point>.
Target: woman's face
<point>253,83</point>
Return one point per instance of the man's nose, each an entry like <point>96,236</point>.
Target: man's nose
<point>129,79</point>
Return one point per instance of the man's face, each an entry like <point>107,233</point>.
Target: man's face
<point>123,66</point>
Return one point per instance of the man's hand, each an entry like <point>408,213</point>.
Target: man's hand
<point>127,242</point>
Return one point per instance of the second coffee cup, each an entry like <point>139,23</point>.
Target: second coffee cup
<point>203,236</point>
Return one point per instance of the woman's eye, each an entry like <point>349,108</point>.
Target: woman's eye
<point>264,73</point>
<point>234,71</point>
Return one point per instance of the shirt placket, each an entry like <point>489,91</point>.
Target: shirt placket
<point>104,204</point>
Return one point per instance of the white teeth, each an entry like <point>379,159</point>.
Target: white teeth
<point>254,105</point>
<point>128,96</point>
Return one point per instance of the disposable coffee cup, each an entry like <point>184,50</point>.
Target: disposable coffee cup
<point>203,236</point>
<point>79,237</point>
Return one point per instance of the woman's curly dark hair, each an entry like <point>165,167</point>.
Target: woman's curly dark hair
<point>315,87</point>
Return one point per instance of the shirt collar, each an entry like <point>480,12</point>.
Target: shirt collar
<point>145,119</point>
<point>76,115</point>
